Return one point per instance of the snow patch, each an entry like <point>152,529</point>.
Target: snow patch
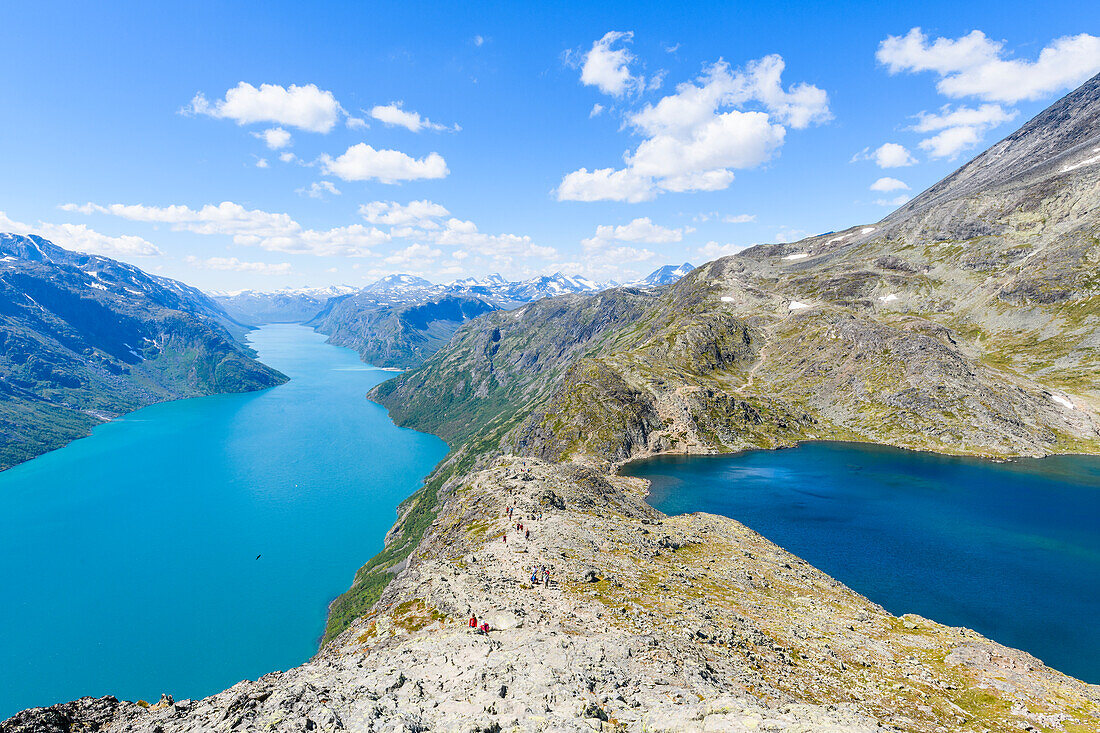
<point>797,256</point>
<point>1083,163</point>
<point>727,299</point>
<point>867,230</point>
<point>797,305</point>
<point>1062,401</point>
<point>888,298</point>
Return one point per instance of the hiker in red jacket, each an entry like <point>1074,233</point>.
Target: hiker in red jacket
<point>473,621</point>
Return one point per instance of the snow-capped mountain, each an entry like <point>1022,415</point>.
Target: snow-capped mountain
<point>664,275</point>
<point>286,305</point>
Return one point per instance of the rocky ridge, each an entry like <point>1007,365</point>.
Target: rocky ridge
<point>648,623</point>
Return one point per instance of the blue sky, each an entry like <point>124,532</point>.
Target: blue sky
<point>208,143</point>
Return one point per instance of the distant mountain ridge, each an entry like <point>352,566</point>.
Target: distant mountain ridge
<point>84,338</point>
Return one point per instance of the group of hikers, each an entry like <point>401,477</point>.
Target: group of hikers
<point>540,574</point>
<point>524,532</point>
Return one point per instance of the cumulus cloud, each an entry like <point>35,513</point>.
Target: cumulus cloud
<point>597,110</point>
<point>79,238</point>
<point>887,155</point>
<point>896,201</point>
<point>607,65</point>
<point>261,163</point>
<point>639,230</point>
<point>889,184</point>
<point>421,213</point>
<point>249,227</point>
<point>361,162</point>
<point>275,138</point>
<point>959,128</point>
<point>236,265</point>
<point>739,218</point>
<point>318,189</point>
<point>394,115</point>
<point>696,137</point>
<point>713,250</point>
<point>305,107</point>
<point>976,66</point>
<point>417,255</point>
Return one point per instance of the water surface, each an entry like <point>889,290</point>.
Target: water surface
<point>1009,549</point>
<point>130,557</point>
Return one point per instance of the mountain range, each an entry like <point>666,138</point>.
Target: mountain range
<point>86,338</point>
<point>966,322</point>
<point>400,320</point>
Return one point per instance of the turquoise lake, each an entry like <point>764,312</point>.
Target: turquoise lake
<point>130,557</point>
<point>1011,550</point>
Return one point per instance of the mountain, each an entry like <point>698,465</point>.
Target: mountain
<point>86,338</point>
<point>396,335</point>
<point>665,275</point>
<point>289,305</point>
<point>401,320</point>
<point>966,322</point>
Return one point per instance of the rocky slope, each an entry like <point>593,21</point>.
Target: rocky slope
<point>400,335</point>
<point>85,338</point>
<point>966,323</point>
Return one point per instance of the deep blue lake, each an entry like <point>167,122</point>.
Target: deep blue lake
<point>1011,550</point>
<point>129,557</point>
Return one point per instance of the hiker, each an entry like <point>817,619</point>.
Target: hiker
<point>473,621</point>
<point>504,537</point>
<point>484,628</point>
<point>527,535</point>
<point>534,577</point>
<point>546,577</point>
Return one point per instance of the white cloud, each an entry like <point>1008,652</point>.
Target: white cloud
<point>275,138</point>
<point>288,157</point>
<point>597,110</point>
<point>889,184</point>
<point>79,238</point>
<point>318,189</point>
<point>960,128</point>
<point>393,114</point>
<point>249,227</point>
<point>714,250</point>
<point>987,115</point>
<point>950,142</point>
<point>261,163</point>
<point>417,255</point>
<point>788,234</point>
<point>421,214</point>
<point>639,230</point>
<point>739,218</point>
<point>975,66</point>
<point>896,201</point>
<point>236,265</point>
<point>605,184</point>
<point>355,123</point>
<point>608,68</point>
<point>887,155</point>
<point>362,162</point>
<point>305,107</point>
<point>692,145</point>
<point>479,40</point>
